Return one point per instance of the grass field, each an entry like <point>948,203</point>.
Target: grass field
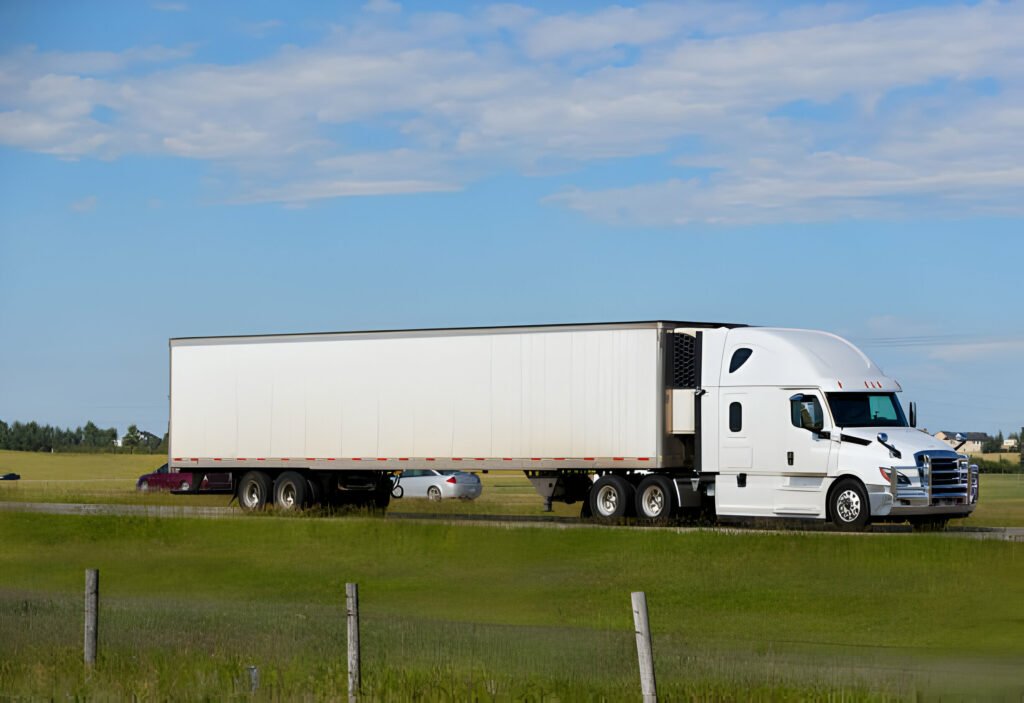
<point>110,478</point>
<point>488,613</point>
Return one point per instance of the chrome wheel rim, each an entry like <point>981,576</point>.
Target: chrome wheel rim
<point>434,493</point>
<point>253,494</point>
<point>653,501</point>
<point>607,500</point>
<point>848,505</point>
<point>286,498</point>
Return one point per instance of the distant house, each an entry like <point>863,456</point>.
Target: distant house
<point>1010,445</point>
<point>973,444</point>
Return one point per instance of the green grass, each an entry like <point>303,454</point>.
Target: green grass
<point>1000,504</point>
<point>456,612</point>
<point>110,478</point>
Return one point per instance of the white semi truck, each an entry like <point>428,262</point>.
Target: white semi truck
<point>651,419</point>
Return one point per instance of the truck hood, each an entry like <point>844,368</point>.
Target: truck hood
<point>907,440</point>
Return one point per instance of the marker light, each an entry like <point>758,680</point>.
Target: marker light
<point>901,479</point>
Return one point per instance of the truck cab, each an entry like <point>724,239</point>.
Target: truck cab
<point>801,423</point>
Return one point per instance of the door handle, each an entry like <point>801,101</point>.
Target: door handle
<point>789,458</point>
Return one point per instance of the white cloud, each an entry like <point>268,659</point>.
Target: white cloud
<point>320,190</point>
<point>382,6</point>
<point>459,96</point>
<point>261,29</point>
<point>970,351</point>
<point>83,205</point>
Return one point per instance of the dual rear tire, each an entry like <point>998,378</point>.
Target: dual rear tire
<point>291,491</point>
<point>613,497</point>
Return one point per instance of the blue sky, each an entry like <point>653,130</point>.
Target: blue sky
<point>180,169</point>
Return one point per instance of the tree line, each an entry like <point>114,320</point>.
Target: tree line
<point>33,437</point>
<point>995,444</point>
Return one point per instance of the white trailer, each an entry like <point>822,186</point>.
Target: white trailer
<point>644,418</point>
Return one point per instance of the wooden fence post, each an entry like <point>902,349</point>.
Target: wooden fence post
<point>92,615</point>
<point>648,686</point>
<point>352,611</point>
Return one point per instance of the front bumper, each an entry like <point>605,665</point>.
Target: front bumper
<point>941,491</point>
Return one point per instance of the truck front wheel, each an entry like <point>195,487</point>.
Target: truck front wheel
<point>848,506</point>
<point>291,492</point>
<point>253,491</point>
<point>611,497</point>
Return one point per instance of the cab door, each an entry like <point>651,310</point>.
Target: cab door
<point>808,453</point>
<point>806,441</point>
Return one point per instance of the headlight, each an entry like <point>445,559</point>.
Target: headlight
<point>901,479</point>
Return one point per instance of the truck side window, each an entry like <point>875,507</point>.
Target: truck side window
<point>805,412</point>
<point>739,357</point>
<point>735,417</point>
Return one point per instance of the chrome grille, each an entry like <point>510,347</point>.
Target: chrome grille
<point>948,477</point>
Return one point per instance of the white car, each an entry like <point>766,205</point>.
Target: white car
<point>435,485</point>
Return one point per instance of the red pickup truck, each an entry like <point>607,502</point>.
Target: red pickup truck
<point>163,479</point>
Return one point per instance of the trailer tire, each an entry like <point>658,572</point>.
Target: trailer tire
<point>382,496</point>
<point>611,497</point>
<point>254,491</point>
<point>315,491</point>
<point>291,492</point>
<point>655,499</point>
<point>848,506</point>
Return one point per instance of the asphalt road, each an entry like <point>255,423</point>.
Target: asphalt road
<point>1010,534</point>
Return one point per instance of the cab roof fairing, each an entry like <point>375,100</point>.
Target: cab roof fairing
<point>801,359</point>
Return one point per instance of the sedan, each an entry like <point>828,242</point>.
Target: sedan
<point>10,477</point>
<point>435,485</point>
<point>163,479</point>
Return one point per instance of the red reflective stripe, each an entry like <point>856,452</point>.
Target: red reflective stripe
<point>260,459</point>
<point>309,458</point>
<point>866,384</point>
<point>455,458</point>
<point>241,458</point>
<point>643,458</point>
<point>403,458</point>
<point>178,458</point>
<point>216,458</point>
<point>559,458</point>
<point>330,458</point>
<point>535,458</point>
<point>429,458</point>
<point>618,458</point>
<point>381,458</point>
<point>506,458</point>
<point>840,383</point>
<point>480,458</point>
<point>588,458</point>
<point>356,459</point>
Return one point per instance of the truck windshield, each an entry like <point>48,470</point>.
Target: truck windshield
<point>866,410</point>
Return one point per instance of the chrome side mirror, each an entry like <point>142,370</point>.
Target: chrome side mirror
<point>883,439</point>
